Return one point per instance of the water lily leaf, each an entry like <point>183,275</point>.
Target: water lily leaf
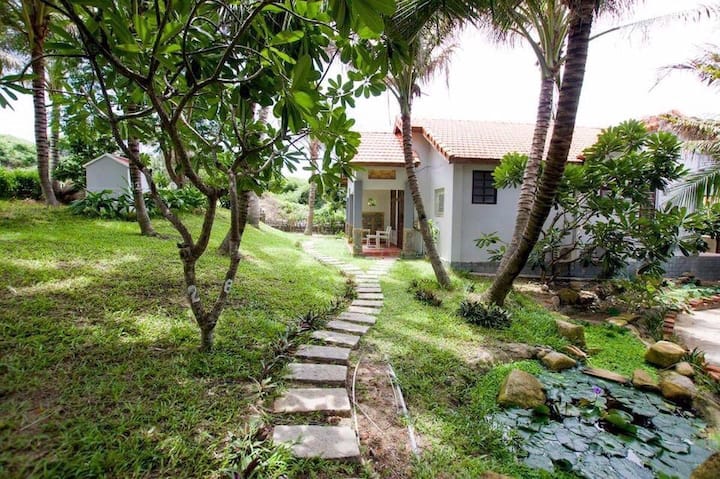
<point>571,441</point>
<point>567,409</point>
<point>627,469</point>
<point>609,445</point>
<point>621,420</point>
<point>537,461</point>
<point>674,446</point>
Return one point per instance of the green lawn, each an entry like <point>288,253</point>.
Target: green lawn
<point>449,393</point>
<point>100,375</point>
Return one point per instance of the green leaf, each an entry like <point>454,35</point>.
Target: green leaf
<point>287,36</point>
<point>303,100</point>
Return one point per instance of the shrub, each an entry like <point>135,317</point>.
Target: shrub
<point>486,315</point>
<point>423,292</point>
<point>27,184</point>
<point>104,205</point>
<point>7,184</point>
<point>71,168</point>
<point>20,184</point>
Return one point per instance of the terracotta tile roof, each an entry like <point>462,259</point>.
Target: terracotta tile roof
<point>379,149</point>
<point>468,141</point>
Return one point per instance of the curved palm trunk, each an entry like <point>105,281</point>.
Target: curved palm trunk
<point>314,149</point>
<point>529,184</point>
<point>40,110</point>
<point>578,41</point>
<point>440,274</point>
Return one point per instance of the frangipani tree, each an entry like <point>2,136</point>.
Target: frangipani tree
<point>197,70</point>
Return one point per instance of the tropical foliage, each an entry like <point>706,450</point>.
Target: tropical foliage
<point>16,153</point>
<point>604,214</point>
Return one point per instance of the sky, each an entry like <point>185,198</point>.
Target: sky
<point>494,82</point>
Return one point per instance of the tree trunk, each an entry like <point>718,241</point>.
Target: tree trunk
<point>314,149</point>
<point>529,184</point>
<point>572,82</point>
<point>143,219</point>
<point>224,248</point>
<point>253,209</point>
<point>440,274</point>
<point>40,27</point>
<point>54,136</point>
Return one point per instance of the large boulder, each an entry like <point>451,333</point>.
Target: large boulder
<point>664,354</point>
<point>677,387</point>
<point>710,469</point>
<point>568,296</point>
<point>521,389</point>
<point>555,361</point>
<point>641,379</point>
<point>572,332</point>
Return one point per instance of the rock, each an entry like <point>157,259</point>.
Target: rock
<point>555,300</point>
<point>710,469</point>
<point>605,374</point>
<point>641,379</point>
<point>542,352</point>
<point>685,369</point>
<point>709,408</point>
<point>576,285</point>
<point>555,361</point>
<point>676,387</point>
<point>587,298</point>
<point>573,332</point>
<point>664,354</point>
<point>521,389</point>
<point>568,296</point>
<point>620,323</point>
<point>576,352</point>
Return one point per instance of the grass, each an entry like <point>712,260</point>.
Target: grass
<point>449,392</point>
<point>100,374</point>
<point>339,248</point>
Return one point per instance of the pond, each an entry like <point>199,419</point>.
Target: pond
<point>596,428</point>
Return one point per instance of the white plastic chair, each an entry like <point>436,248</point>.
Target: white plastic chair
<point>383,235</point>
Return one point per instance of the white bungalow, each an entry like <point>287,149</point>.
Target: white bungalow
<point>454,164</point>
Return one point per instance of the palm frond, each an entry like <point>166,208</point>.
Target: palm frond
<point>698,188</point>
<point>705,66</point>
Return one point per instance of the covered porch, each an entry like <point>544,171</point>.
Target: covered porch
<point>380,212</point>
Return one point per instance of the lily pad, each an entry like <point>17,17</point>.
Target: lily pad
<point>537,461</point>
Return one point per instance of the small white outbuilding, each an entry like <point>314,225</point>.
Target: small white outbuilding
<point>110,172</point>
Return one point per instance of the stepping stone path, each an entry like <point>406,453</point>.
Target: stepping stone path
<point>325,367</point>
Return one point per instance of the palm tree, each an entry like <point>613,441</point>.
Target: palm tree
<point>581,14</point>
<point>703,135</point>
<point>543,24</point>
<point>423,56</point>
<point>35,23</point>
<point>314,152</point>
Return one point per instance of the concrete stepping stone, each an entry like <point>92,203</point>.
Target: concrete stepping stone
<point>305,400</point>
<point>365,277</point>
<point>368,303</point>
<point>326,442</point>
<point>367,285</point>
<point>370,296</point>
<point>357,318</point>
<point>368,289</point>
<point>333,337</point>
<point>362,310</point>
<point>323,354</point>
<point>347,327</point>
<point>328,374</point>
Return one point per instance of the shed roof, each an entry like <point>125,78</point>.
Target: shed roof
<point>464,141</point>
<point>111,156</point>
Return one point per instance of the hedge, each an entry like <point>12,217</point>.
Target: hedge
<point>19,184</point>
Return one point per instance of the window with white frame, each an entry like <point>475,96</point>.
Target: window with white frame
<point>440,202</point>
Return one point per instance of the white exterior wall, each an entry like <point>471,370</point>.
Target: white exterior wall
<point>473,220</point>
<point>107,174</point>
<point>435,172</point>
